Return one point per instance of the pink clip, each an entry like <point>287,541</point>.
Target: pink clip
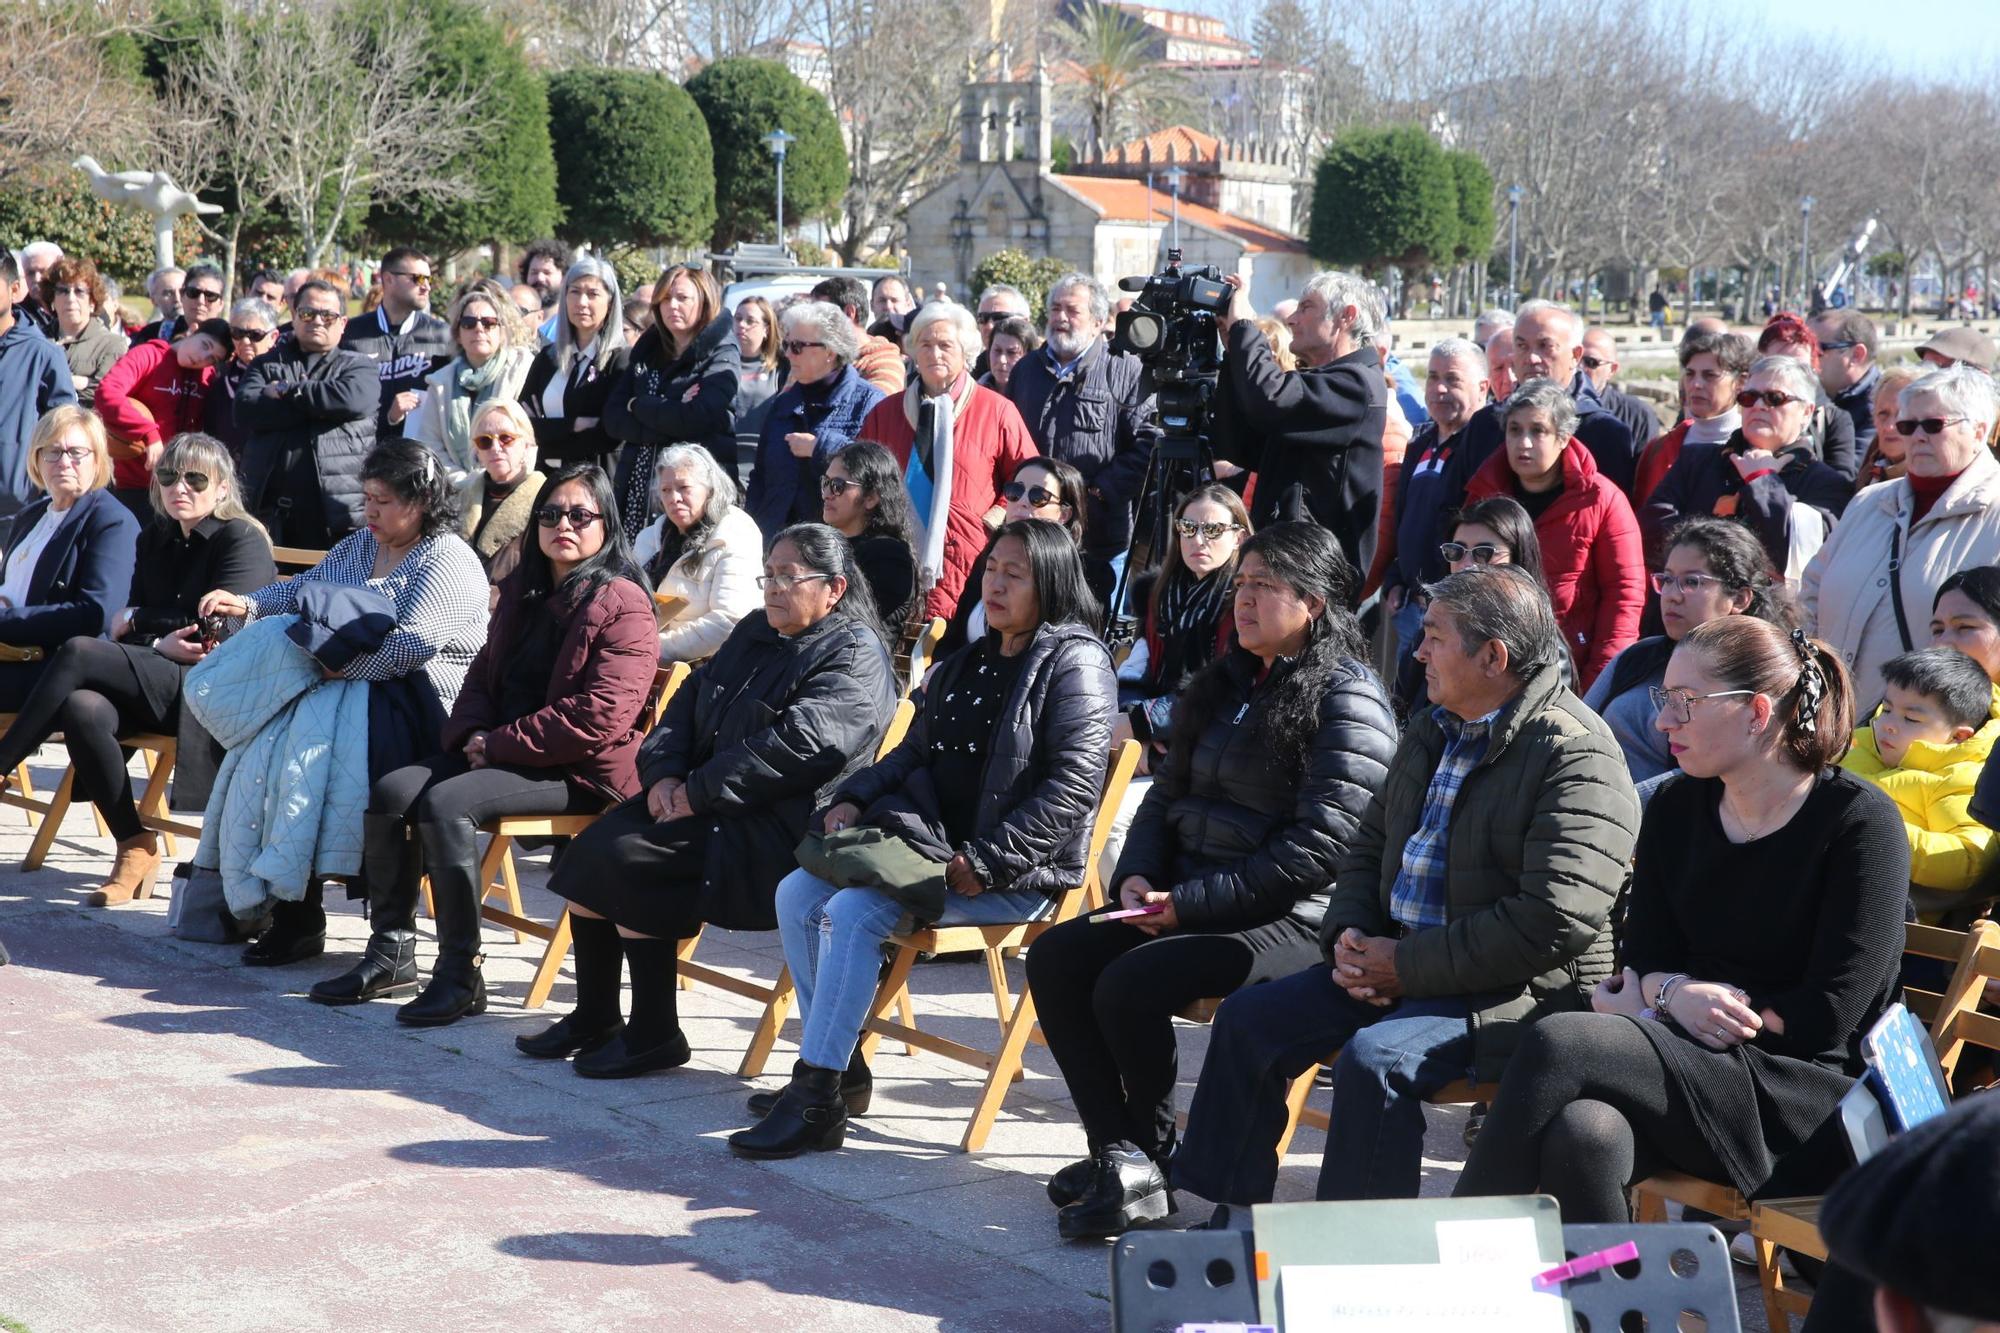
<point>1587,1263</point>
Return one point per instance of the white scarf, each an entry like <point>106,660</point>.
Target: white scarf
<point>1715,429</point>
<point>933,518</point>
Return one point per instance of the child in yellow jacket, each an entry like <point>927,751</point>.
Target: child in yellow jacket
<point>1926,748</point>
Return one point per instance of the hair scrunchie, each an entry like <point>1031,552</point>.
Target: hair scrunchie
<point>1811,686</point>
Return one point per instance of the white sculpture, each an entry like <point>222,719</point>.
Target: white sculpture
<point>153,191</point>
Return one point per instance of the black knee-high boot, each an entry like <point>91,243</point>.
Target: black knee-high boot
<point>392,869</point>
<point>652,1037</point>
<point>457,986</point>
<point>599,957</point>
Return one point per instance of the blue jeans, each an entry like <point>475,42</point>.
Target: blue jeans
<point>833,941</point>
<point>1266,1036</point>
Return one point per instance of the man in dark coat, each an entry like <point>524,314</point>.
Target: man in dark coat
<point>1473,899</point>
<point>308,408</point>
<point>1600,367</point>
<point>1848,369</point>
<point>402,337</point>
<point>1548,343</point>
<point>1088,406</point>
<point>1314,435</point>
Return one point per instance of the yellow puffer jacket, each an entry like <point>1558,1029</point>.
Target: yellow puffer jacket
<point>1949,849</point>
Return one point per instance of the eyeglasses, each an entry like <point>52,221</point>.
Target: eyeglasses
<point>471,322</point>
<point>199,294</point>
<point>68,289</point>
<point>317,316</point>
<point>832,488</point>
<point>169,478</point>
<point>1483,554</point>
<point>1768,397</point>
<point>1208,532</point>
<point>496,441</point>
<point>1928,425</point>
<point>50,457</point>
<point>1035,496</point>
<point>1594,362</point>
<point>1837,347</point>
<point>1682,702</point>
<point>1688,583</point>
<point>549,516</point>
<point>786,582</point>
<point>249,335</point>
<point>420,279</point>
<point>794,346</point>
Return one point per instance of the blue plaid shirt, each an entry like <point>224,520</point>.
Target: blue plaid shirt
<point>1417,899</point>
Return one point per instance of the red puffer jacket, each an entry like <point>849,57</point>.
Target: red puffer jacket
<point>989,440</point>
<point>1592,560</point>
<point>147,399</point>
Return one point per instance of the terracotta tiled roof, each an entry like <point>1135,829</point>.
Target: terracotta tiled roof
<point>1130,201</point>
<point>1188,145</point>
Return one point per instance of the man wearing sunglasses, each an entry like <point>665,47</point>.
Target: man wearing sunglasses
<point>196,296</point>
<point>402,337</point>
<point>997,304</point>
<point>1848,370</point>
<point>1600,365</point>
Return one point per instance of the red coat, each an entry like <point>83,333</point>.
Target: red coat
<point>989,440</point>
<point>593,719</point>
<point>146,399</point>
<point>1655,462</point>
<point>1592,560</point>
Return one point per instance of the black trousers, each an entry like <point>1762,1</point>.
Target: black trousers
<point>1586,1108</point>
<point>445,789</point>
<point>92,690</point>
<point>1106,996</point>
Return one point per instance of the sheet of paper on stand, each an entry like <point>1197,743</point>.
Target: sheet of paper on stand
<point>1418,1298</point>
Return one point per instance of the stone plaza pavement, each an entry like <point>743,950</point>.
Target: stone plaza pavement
<point>186,1143</point>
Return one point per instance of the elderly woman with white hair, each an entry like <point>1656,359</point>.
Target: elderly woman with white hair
<point>703,555</point>
<point>816,416</point>
<point>957,442</point>
<point>495,348</point>
<point>1866,590</point>
<point>1767,474</point>
<point>570,380</point>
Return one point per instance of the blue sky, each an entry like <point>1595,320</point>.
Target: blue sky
<point>1939,37</point>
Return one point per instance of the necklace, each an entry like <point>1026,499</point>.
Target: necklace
<point>1785,809</point>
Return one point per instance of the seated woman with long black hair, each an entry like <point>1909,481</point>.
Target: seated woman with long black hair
<point>1044,488</point>
<point>94,690</point>
<point>862,495</point>
<point>1277,748</point>
<point>981,815</point>
<point>547,724</point>
<point>1763,933</point>
<point>751,745</point>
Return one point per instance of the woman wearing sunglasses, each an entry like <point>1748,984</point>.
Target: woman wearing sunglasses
<point>94,690</point>
<point>862,498</point>
<point>1867,589</point>
<point>253,331</point>
<point>496,347</point>
<point>1767,474</point>
<point>496,505</point>
<point>816,416</point>
<point>1713,568</point>
<point>1044,488</point>
<point>1489,532</point>
<point>547,724</point>
<point>156,391</point>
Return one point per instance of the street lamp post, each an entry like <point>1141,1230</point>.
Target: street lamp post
<point>1513,243</point>
<point>1805,251</point>
<point>777,141</point>
<point>1173,177</point>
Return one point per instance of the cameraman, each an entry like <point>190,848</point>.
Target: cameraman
<point>1088,406</point>
<point>1313,435</point>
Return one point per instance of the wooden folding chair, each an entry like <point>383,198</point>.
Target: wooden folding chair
<point>1955,1019</point>
<point>21,794</point>
<point>496,867</point>
<point>160,751</point>
<point>292,560</point>
<point>916,654</point>
<point>777,996</point>
<point>1003,1064</point>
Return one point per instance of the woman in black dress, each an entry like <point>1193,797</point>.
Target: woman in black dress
<point>862,496</point>
<point>1762,939</point>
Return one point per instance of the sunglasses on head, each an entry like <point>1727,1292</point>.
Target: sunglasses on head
<point>497,440</point>
<point>549,516</point>
<point>1483,554</point>
<point>1928,425</point>
<point>1208,532</point>
<point>1768,397</point>
<point>168,478</point>
<point>470,322</point>
<point>1034,495</point>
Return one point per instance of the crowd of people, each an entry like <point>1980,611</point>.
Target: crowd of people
<point>1531,733</point>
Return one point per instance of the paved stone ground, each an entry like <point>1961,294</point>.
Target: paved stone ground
<point>187,1143</point>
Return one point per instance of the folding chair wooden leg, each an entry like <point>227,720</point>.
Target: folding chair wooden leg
<point>895,986</point>
<point>996,977</point>
<point>552,961</point>
<point>1768,1281</point>
<point>153,801</point>
<point>1648,1207</point>
<point>496,871</point>
<point>683,951</point>
<point>1295,1105</point>
<point>766,1036</point>
<point>51,822</point>
<point>1006,1069</point>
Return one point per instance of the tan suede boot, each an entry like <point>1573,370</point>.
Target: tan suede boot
<point>132,873</point>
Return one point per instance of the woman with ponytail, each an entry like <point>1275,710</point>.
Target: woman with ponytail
<point>1762,937</point>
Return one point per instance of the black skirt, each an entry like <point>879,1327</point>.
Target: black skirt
<point>637,872</point>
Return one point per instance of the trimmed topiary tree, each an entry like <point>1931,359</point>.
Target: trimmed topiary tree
<point>743,100</point>
<point>633,164</point>
<point>1384,197</point>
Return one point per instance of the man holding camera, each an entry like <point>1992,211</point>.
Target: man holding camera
<point>1314,435</point>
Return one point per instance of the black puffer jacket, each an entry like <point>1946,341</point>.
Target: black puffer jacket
<point>309,421</point>
<point>762,732</point>
<point>1042,779</point>
<point>1243,841</point>
<point>649,407</point>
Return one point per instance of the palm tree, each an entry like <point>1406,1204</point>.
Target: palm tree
<point>1120,75</point>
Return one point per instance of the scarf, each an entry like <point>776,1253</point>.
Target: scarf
<point>471,390</point>
<point>1181,638</point>
<point>928,476</point>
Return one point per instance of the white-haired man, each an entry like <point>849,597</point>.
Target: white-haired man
<point>1548,344</point>
<point>1315,433</point>
<point>37,258</point>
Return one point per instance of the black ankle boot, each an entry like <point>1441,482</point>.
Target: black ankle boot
<point>1125,1188</point>
<point>298,932</point>
<point>857,1089</point>
<point>388,967</point>
<point>391,871</point>
<point>809,1115</point>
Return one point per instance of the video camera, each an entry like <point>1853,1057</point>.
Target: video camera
<point>1171,329</point>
